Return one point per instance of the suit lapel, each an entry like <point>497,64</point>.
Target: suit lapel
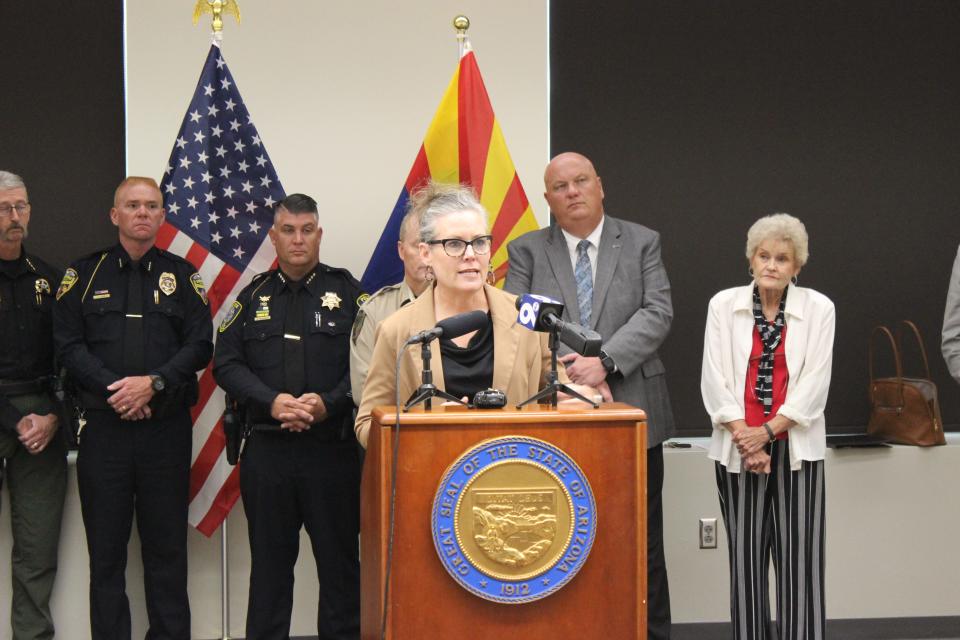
<point>559,258</point>
<point>607,257</point>
<point>506,338</point>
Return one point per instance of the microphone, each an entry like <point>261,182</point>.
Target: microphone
<point>452,327</point>
<point>540,313</point>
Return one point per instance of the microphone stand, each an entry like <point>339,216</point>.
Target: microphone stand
<point>553,379</point>
<point>427,389</point>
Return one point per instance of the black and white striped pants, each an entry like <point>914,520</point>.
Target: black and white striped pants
<point>781,514</point>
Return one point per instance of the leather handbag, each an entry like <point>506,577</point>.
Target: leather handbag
<point>904,410</point>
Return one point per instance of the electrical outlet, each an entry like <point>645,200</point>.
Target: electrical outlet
<point>708,533</point>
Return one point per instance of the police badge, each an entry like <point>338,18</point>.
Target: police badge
<point>167,283</point>
<point>513,519</point>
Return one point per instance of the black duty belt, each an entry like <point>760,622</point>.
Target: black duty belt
<point>24,387</point>
<point>318,433</point>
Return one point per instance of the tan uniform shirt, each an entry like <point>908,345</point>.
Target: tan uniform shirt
<point>374,311</point>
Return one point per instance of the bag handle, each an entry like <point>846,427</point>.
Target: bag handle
<point>896,358</point>
<point>916,333</point>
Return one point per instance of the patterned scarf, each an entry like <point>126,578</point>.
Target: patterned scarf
<point>770,335</point>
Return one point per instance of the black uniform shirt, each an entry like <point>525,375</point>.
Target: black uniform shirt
<point>249,362</point>
<point>91,314</point>
<point>27,285</point>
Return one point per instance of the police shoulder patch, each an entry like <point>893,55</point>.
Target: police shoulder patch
<point>358,325</point>
<point>70,278</point>
<point>232,314</point>
<point>363,298</point>
<point>197,283</point>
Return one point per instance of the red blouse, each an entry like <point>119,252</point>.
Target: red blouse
<point>752,405</point>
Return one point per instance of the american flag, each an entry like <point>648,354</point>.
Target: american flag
<point>219,189</point>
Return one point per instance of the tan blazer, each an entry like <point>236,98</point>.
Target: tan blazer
<point>521,358</point>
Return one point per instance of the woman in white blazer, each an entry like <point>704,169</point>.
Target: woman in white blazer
<point>767,356</point>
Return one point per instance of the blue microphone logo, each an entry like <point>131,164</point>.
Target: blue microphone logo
<point>529,309</point>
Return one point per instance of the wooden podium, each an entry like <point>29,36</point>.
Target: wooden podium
<point>605,600</point>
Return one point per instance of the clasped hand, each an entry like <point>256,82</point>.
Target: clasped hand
<point>297,414</point>
<point>751,444</point>
<point>130,397</point>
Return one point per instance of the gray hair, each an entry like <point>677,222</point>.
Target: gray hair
<point>780,226</point>
<point>436,200</point>
<point>410,224</point>
<point>11,181</point>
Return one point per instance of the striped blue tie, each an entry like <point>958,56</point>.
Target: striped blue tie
<point>584,276</point>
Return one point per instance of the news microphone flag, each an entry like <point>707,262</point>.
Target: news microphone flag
<point>219,189</point>
<point>532,307</point>
<point>464,144</point>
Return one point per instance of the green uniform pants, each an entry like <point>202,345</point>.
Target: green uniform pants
<point>37,486</point>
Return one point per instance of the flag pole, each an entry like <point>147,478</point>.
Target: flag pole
<point>224,585</point>
<point>216,8</point>
<point>461,23</point>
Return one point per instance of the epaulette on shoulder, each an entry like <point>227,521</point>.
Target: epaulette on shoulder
<point>382,290</point>
<point>346,272</point>
<point>169,255</point>
<point>258,281</point>
<point>93,255</point>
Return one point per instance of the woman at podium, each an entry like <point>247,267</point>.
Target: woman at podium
<point>500,354</point>
<point>767,355</point>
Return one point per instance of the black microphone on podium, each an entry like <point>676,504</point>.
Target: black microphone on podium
<point>540,313</point>
<point>452,327</point>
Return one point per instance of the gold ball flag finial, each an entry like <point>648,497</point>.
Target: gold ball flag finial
<point>461,23</point>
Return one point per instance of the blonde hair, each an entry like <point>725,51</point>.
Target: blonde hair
<point>132,180</point>
<point>780,226</point>
<point>436,200</point>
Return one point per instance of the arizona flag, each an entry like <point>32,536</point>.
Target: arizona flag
<point>464,144</point>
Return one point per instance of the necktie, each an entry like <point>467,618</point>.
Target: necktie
<point>294,363</point>
<point>584,276</point>
<point>133,360</point>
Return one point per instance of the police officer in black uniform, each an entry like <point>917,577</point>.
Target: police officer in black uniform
<point>132,327</point>
<point>283,352</point>
<point>30,441</point>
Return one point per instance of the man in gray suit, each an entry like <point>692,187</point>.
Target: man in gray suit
<point>951,322</point>
<point>609,275</point>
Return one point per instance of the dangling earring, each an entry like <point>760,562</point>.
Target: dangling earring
<point>428,276</point>
<point>750,271</point>
<point>491,276</point>
<point>794,280</point>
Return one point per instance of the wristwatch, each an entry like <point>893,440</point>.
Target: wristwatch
<point>607,362</point>
<point>770,434</point>
<point>157,383</point>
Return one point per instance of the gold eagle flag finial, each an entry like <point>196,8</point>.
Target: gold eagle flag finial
<point>216,8</point>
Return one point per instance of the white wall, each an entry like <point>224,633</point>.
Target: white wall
<point>342,93</point>
<point>892,547</point>
<point>893,517</point>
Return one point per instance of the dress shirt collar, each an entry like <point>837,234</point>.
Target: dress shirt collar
<point>310,282</point>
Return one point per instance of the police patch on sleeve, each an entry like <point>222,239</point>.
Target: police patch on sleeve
<point>363,298</point>
<point>358,325</point>
<point>197,283</point>
<point>70,278</point>
<point>232,314</point>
